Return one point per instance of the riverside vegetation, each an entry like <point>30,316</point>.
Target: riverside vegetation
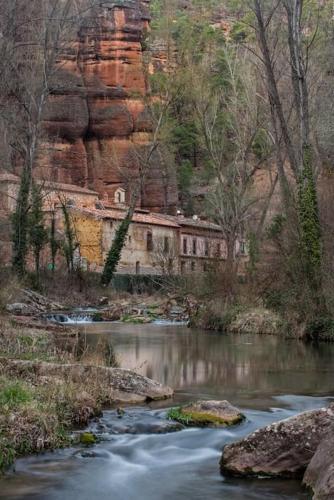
<point>38,413</point>
<point>248,143</point>
<point>51,384</point>
<point>257,163</point>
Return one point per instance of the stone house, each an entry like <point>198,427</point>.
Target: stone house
<point>156,243</point>
<point>53,193</point>
<point>96,228</point>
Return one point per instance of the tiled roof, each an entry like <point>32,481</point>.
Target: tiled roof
<point>119,214</point>
<point>8,177</point>
<point>71,188</point>
<point>189,222</point>
<point>157,219</point>
<point>203,224</point>
<point>53,186</point>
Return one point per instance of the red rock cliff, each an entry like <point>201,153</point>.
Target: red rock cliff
<point>96,110</point>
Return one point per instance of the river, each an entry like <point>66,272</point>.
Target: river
<point>267,377</point>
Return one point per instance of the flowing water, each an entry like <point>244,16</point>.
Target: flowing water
<point>267,377</point>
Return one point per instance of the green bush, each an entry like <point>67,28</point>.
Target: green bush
<point>321,328</point>
<point>216,318</point>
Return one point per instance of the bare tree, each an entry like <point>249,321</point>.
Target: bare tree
<point>293,125</point>
<point>33,35</point>
<point>166,255</point>
<point>236,142</point>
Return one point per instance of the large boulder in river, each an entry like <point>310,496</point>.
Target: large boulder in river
<point>207,414</point>
<point>319,474</point>
<point>282,449</point>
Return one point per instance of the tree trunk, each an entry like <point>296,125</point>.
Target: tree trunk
<point>20,224</point>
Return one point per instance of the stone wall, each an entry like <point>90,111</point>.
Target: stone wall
<point>136,257</point>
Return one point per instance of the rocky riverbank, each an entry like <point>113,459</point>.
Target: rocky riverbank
<point>298,447</point>
<point>46,390</point>
<point>130,309</point>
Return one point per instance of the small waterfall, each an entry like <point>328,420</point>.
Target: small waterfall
<point>74,318</point>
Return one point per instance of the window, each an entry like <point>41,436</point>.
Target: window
<point>183,267</point>
<point>119,195</point>
<point>185,246</point>
<point>206,248</point>
<point>218,249</point>
<point>193,266</point>
<point>137,267</point>
<point>149,241</point>
<point>242,248</point>
<point>194,246</point>
<point>166,244</point>
<point>205,267</point>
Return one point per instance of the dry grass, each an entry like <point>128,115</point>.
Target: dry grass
<point>29,343</point>
<point>9,289</point>
<point>37,412</point>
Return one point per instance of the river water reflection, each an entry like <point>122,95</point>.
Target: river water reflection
<point>267,377</point>
<point>243,368</point>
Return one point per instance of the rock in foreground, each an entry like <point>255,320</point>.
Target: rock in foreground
<point>319,474</point>
<point>283,449</point>
<point>207,414</point>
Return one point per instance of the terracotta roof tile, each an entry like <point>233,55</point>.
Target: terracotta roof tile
<point>119,214</point>
<point>53,186</point>
<point>157,219</point>
<point>189,222</point>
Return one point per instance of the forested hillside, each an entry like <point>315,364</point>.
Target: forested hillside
<point>166,249</point>
<point>250,130</point>
<point>222,111</point>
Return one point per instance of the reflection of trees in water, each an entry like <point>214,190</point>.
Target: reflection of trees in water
<point>182,358</point>
<point>98,350</point>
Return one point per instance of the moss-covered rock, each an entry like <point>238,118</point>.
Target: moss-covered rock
<point>87,438</point>
<point>137,320</point>
<point>207,414</point>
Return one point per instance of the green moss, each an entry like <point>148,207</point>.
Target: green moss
<point>88,439</point>
<point>133,320</point>
<point>97,317</point>
<point>176,414</point>
<point>198,419</point>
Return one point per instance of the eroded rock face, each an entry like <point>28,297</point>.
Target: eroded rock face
<point>319,474</point>
<point>283,449</point>
<point>96,111</point>
<point>207,414</point>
